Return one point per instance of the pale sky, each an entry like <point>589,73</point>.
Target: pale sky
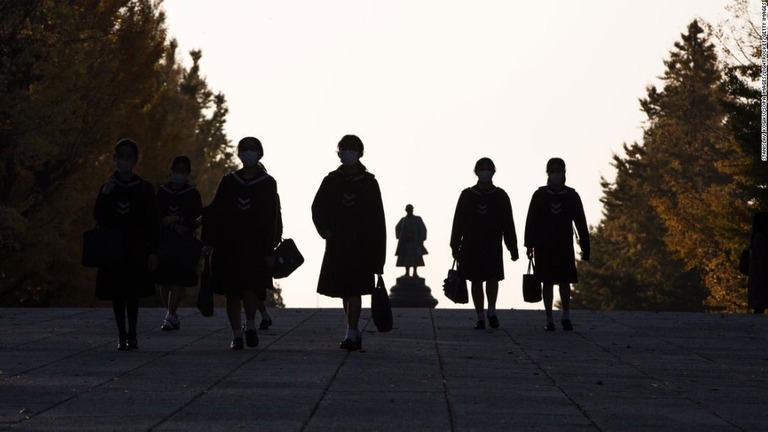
<point>430,87</point>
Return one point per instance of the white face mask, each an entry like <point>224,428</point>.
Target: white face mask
<point>179,178</point>
<point>124,165</point>
<point>556,179</point>
<point>349,157</point>
<point>249,158</point>
<point>485,176</point>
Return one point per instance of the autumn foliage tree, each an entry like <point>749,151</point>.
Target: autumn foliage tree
<point>677,216</point>
<point>76,76</point>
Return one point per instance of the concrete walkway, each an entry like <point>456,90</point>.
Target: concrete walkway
<point>616,371</point>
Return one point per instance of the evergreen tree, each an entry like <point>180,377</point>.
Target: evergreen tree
<point>697,163</point>
<point>631,267</point>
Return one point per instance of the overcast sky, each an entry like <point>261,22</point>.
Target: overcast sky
<point>430,87</point>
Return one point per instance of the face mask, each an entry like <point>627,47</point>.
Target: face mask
<point>124,165</point>
<point>485,176</point>
<point>556,179</point>
<point>179,178</point>
<point>249,158</point>
<point>349,157</point>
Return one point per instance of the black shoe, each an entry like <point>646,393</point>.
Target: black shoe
<point>566,323</point>
<point>550,326</point>
<point>237,344</point>
<point>350,345</point>
<point>122,345</point>
<point>133,344</point>
<point>265,323</point>
<point>493,321</point>
<point>480,325</point>
<point>251,338</point>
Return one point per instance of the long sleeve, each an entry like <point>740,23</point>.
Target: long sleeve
<point>508,226</point>
<point>320,208</point>
<point>211,215</point>
<point>457,231</point>
<point>278,222</point>
<point>531,221</point>
<point>380,230</point>
<point>580,220</point>
<point>270,206</point>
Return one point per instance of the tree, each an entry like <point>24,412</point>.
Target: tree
<point>631,267</point>
<point>74,78</point>
<point>699,165</point>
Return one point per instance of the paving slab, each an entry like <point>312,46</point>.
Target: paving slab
<point>616,371</point>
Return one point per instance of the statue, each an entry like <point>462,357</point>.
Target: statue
<point>411,233</point>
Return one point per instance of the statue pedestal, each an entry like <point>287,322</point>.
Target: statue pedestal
<point>411,291</point>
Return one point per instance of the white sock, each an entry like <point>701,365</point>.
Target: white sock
<point>250,324</point>
<point>352,334</point>
<point>566,314</point>
<point>237,333</point>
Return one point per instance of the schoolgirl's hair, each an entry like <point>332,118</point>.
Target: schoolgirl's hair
<point>127,142</point>
<point>484,160</point>
<point>182,159</point>
<point>352,142</point>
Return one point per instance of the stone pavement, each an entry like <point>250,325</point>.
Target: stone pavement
<point>616,371</point>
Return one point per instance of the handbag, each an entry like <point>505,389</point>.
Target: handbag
<point>531,285</point>
<point>455,287</point>
<point>744,262</point>
<point>102,247</point>
<point>381,310</point>
<point>205,294</point>
<point>287,259</point>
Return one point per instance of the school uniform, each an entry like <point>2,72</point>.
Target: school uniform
<point>241,226</point>
<point>483,219</point>
<point>549,231</point>
<point>129,207</point>
<point>186,203</point>
<point>350,208</point>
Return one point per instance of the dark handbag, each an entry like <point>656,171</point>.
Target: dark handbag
<point>102,247</point>
<point>381,310</point>
<point>531,285</point>
<point>287,259</point>
<point>181,251</point>
<point>205,294</point>
<point>744,262</point>
<point>455,287</point>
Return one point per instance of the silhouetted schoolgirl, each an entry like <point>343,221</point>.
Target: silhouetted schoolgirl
<point>179,205</point>
<point>127,202</point>
<point>349,215</point>
<point>482,221</point>
<point>241,224</point>
<point>552,214</point>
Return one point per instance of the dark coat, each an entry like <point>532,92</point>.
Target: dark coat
<point>757,284</point>
<point>186,203</point>
<point>549,231</point>
<point>130,207</point>
<point>241,225</point>
<point>350,208</point>
<point>483,218</point>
